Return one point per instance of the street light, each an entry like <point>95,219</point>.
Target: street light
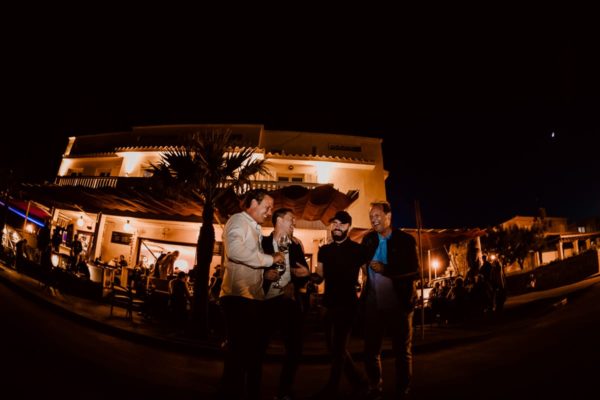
<point>435,264</point>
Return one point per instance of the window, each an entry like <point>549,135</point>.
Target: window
<point>581,229</point>
<point>290,177</point>
<point>75,172</point>
<point>103,172</point>
<point>149,250</point>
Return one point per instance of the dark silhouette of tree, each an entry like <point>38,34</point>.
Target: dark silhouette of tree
<point>513,244</point>
<point>206,167</point>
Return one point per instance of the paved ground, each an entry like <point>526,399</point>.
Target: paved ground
<point>428,338</point>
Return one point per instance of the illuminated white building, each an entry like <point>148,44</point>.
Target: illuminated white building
<point>97,194</point>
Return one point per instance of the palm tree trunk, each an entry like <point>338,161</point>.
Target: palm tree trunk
<point>204,254</point>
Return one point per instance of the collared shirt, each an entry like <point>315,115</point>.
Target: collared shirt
<point>381,287</point>
<point>284,279</point>
<point>244,260</point>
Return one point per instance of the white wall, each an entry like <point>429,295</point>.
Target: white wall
<point>90,166</point>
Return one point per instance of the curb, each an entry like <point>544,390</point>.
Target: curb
<point>196,348</point>
<point>181,346</point>
<point>169,344</point>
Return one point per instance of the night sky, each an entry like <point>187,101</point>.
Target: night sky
<point>473,113</point>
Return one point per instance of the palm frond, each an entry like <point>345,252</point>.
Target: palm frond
<point>207,163</point>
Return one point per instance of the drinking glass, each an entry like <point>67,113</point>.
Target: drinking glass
<point>283,244</point>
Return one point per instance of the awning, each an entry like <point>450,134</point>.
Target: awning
<point>570,236</point>
<point>430,238</point>
<point>318,204</point>
<point>35,210</point>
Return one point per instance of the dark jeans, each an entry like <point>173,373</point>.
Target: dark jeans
<point>242,369</point>
<point>339,326</point>
<point>284,315</point>
<point>399,325</point>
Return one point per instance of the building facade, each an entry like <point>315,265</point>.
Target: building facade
<point>94,195</point>
<point>561,240</point>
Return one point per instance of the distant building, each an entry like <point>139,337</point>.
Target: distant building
<point>562,240</point>
<point>587,225</point>
<point>551,224</point>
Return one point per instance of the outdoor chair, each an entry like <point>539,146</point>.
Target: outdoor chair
<point>124,298</point>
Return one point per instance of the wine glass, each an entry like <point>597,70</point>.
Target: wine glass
<point>283,244</point>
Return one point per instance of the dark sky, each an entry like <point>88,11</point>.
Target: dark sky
<point>472,113</point>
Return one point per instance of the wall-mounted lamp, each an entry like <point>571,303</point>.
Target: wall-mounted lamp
<point>80,221</point>
<point>127,227</point>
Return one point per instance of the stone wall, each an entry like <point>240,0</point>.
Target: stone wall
<point>558,273</point>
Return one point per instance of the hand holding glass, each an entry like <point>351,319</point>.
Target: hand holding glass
<point>283,244</point>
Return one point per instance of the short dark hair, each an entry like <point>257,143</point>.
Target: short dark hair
<point>343,217</point>
<point>384,205</point>
<point>254,194</point>
<point>280,212</point>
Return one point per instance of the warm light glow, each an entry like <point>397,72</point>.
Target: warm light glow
<point>54,260</point>
<point>130,162</point>
<point>64,166</point>
<point>324,171</point>
<point>80,221</point>
<point>435,264</point>
<point>29,228</point>
<point>128,227</point>
<point>493,257</point>
<point>182,265</point>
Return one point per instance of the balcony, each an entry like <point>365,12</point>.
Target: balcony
<point>93,182</point>
<point>96,182</point>
<point>274,185</point>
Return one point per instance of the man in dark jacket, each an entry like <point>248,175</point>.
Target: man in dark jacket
<point>389,297</point>
<point>282,307</point>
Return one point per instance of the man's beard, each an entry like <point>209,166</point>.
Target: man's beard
<point>339,235</point>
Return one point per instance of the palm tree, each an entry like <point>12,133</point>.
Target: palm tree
<point>206,167</point>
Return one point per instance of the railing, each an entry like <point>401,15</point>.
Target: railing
<point>117,181</point>
<point>274,185</point>
<point>88,181</point>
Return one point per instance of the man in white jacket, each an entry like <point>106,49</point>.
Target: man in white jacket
<point>242,293</point>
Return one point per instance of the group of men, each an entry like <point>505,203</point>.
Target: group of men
<point>258,299</point>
